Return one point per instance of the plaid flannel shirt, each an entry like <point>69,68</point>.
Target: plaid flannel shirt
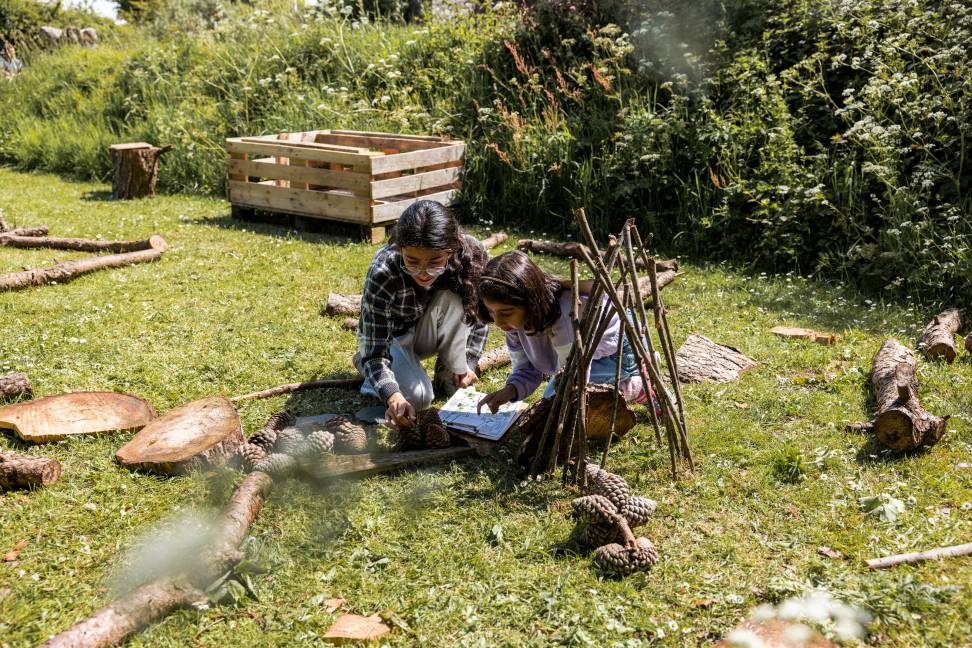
<point>390,306</point>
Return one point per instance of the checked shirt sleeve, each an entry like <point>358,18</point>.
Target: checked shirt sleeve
<point>475,343</point>
<point>375,332</point>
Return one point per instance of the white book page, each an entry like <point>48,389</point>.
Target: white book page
<point>460,413</point>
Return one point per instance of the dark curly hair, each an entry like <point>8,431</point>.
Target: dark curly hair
<point>513,278</point>
<point>430,224</point>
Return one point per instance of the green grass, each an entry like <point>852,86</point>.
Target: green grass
<point>236,307</point>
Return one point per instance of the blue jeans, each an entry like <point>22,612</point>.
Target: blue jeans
<point>603,369</point>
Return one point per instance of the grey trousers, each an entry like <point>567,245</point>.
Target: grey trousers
<point>441,331</point>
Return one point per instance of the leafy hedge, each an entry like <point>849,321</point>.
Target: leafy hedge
<point>826,137</point>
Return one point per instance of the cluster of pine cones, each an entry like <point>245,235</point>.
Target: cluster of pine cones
<point>608,513</point>
<point>428,432</point>
<point>280,446</point>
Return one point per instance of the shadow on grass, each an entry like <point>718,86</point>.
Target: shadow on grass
<point>97,196</point>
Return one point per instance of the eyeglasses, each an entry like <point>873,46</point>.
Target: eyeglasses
<point>432,271</point>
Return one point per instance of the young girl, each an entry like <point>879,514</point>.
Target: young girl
<point>533,308</point>
<point>420,300</point>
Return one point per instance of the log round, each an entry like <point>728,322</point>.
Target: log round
<point>55,417</point>
<point>901,424</point>
<point>24,471</point>
<point>937,341</point>
<point>14,385</point>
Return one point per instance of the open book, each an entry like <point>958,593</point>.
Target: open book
<point>460,414</point>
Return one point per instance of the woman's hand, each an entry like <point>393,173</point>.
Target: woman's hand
<point>400,411</point>
<point>497,399</point>
<point>464,380</point>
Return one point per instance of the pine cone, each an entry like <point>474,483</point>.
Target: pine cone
<point>290,441</point>
<point>280,420</point>
<point>277,465</point>
<point>349,437</point>
<point>264,438</point>
<point>433,429</point>
<point>599,533</point>
<point>320,443</point>
<point>410,438</point>
<point>251,454</point>
<point>594,509</point>
<point>636,510</point>
<point>611,486</point>
<point>621,560</point>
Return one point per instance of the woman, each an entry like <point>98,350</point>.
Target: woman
<point>420,300</point>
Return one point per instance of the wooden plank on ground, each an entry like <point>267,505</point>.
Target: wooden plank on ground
<point>320,204</point>
<point>416,182</point>
<point>416,159</point>
<point>392,210</point>
<point>363,465</point>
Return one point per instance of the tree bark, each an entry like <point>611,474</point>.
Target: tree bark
<point>494,239</point>
<point>900,423</point>
<point>937,341</point>
<point>14,385</point>
<point>135,169</point>
<point>24,471</point>
<point>68,270</point>
<point>10,239</point>
<point>702,360</point>
<point>149,603</point>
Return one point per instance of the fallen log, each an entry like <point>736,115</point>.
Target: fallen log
<point>937,341</point>
<point>900,423</point>
<point>498,357</point>
<point>920,556</point>
<point>338,304</point>
<point>350,324</point>
<point>702,360</point>
<point>69,270</point>
<point>14,385</point>
<point>24,471</point>
<point>11,239</point>
<point>149,603</point>
<point>494,239</point>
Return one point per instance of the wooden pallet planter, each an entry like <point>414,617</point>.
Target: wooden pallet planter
<point>349,176</point>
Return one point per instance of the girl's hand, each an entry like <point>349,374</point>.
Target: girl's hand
<point>497,399</point>
<point>464,380</point>
<point>400,411</point>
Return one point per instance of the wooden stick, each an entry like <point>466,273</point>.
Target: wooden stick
<point>289,388</point>
<point>920,556</point>
<point>617,382</point>
<point>69,270</point>
<point>10,239</point>
<point>581,371</point>
<point>14,385</point>
<point>24,471</point>
<point>27,231</point>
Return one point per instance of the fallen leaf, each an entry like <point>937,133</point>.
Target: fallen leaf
<point>742,405</point>
<point>829,553</point>
<point>333,604</point>
<point>351,627</point>
<point>11,555</point>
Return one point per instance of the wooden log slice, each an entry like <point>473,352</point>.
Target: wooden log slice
<point>196,435</point>
<point>702,360</point>
<point>937,341</point>
<point>24,471</point>
<point>56,417</point>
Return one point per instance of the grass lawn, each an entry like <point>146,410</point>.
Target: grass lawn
<point>236,307</point>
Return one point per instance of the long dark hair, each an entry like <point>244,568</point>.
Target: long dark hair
<point>513,278</point>
<point>430,224</point>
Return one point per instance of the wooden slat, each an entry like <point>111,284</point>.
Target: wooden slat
<point>416,182</point>
<point>357,182</point>
<point>300,151</point>
<point>269,139</point>
<point>417,159</point>
<point>392,210</point>
<point>376,142</point>
<point>417,138</point>
<point>314,204</point>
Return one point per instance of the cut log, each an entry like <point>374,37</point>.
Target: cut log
<point>68,270</point>
<point>900,423</point>
<point>350,324</point>
<point>805,334</point>
<point>289,388</point>
<point>14,385</point>
<point>57,417</point>
<point>702,360</point>
<point>498,357</point>
<point>920,556</point>
<point>494,239</point>
<point>194,436</point>
<point>24,471</point>
<point>338,304</point>
<point>937,341</point>
<point>149,603</point>
<point>135,169</point>
<point>364,465</point>
<point>10,239</point>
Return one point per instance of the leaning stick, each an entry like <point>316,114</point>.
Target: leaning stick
<point>68,270</point>
<point>14,385</point>
<point>580,376</point>
<point>617,384</point>
<point>920,556</point>
<point>149,603</point>
<point>11,239</point>
<point>24,471</point>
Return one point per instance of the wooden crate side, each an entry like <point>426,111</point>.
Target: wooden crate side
<point>376,142</point>
<point>416,182</point>
<point>315,204</point>
<point>356,182</point>
<point>392,210</point>
<point>270,139</point>
<point>299,151</point>
<point>416,159</point>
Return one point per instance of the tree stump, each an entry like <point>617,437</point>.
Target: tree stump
<point>15,384</point>
<point>24,471</point>
<point>702,360</point>
<point>135,168</point>
<point>937,341</point>
<point>900,423</point>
